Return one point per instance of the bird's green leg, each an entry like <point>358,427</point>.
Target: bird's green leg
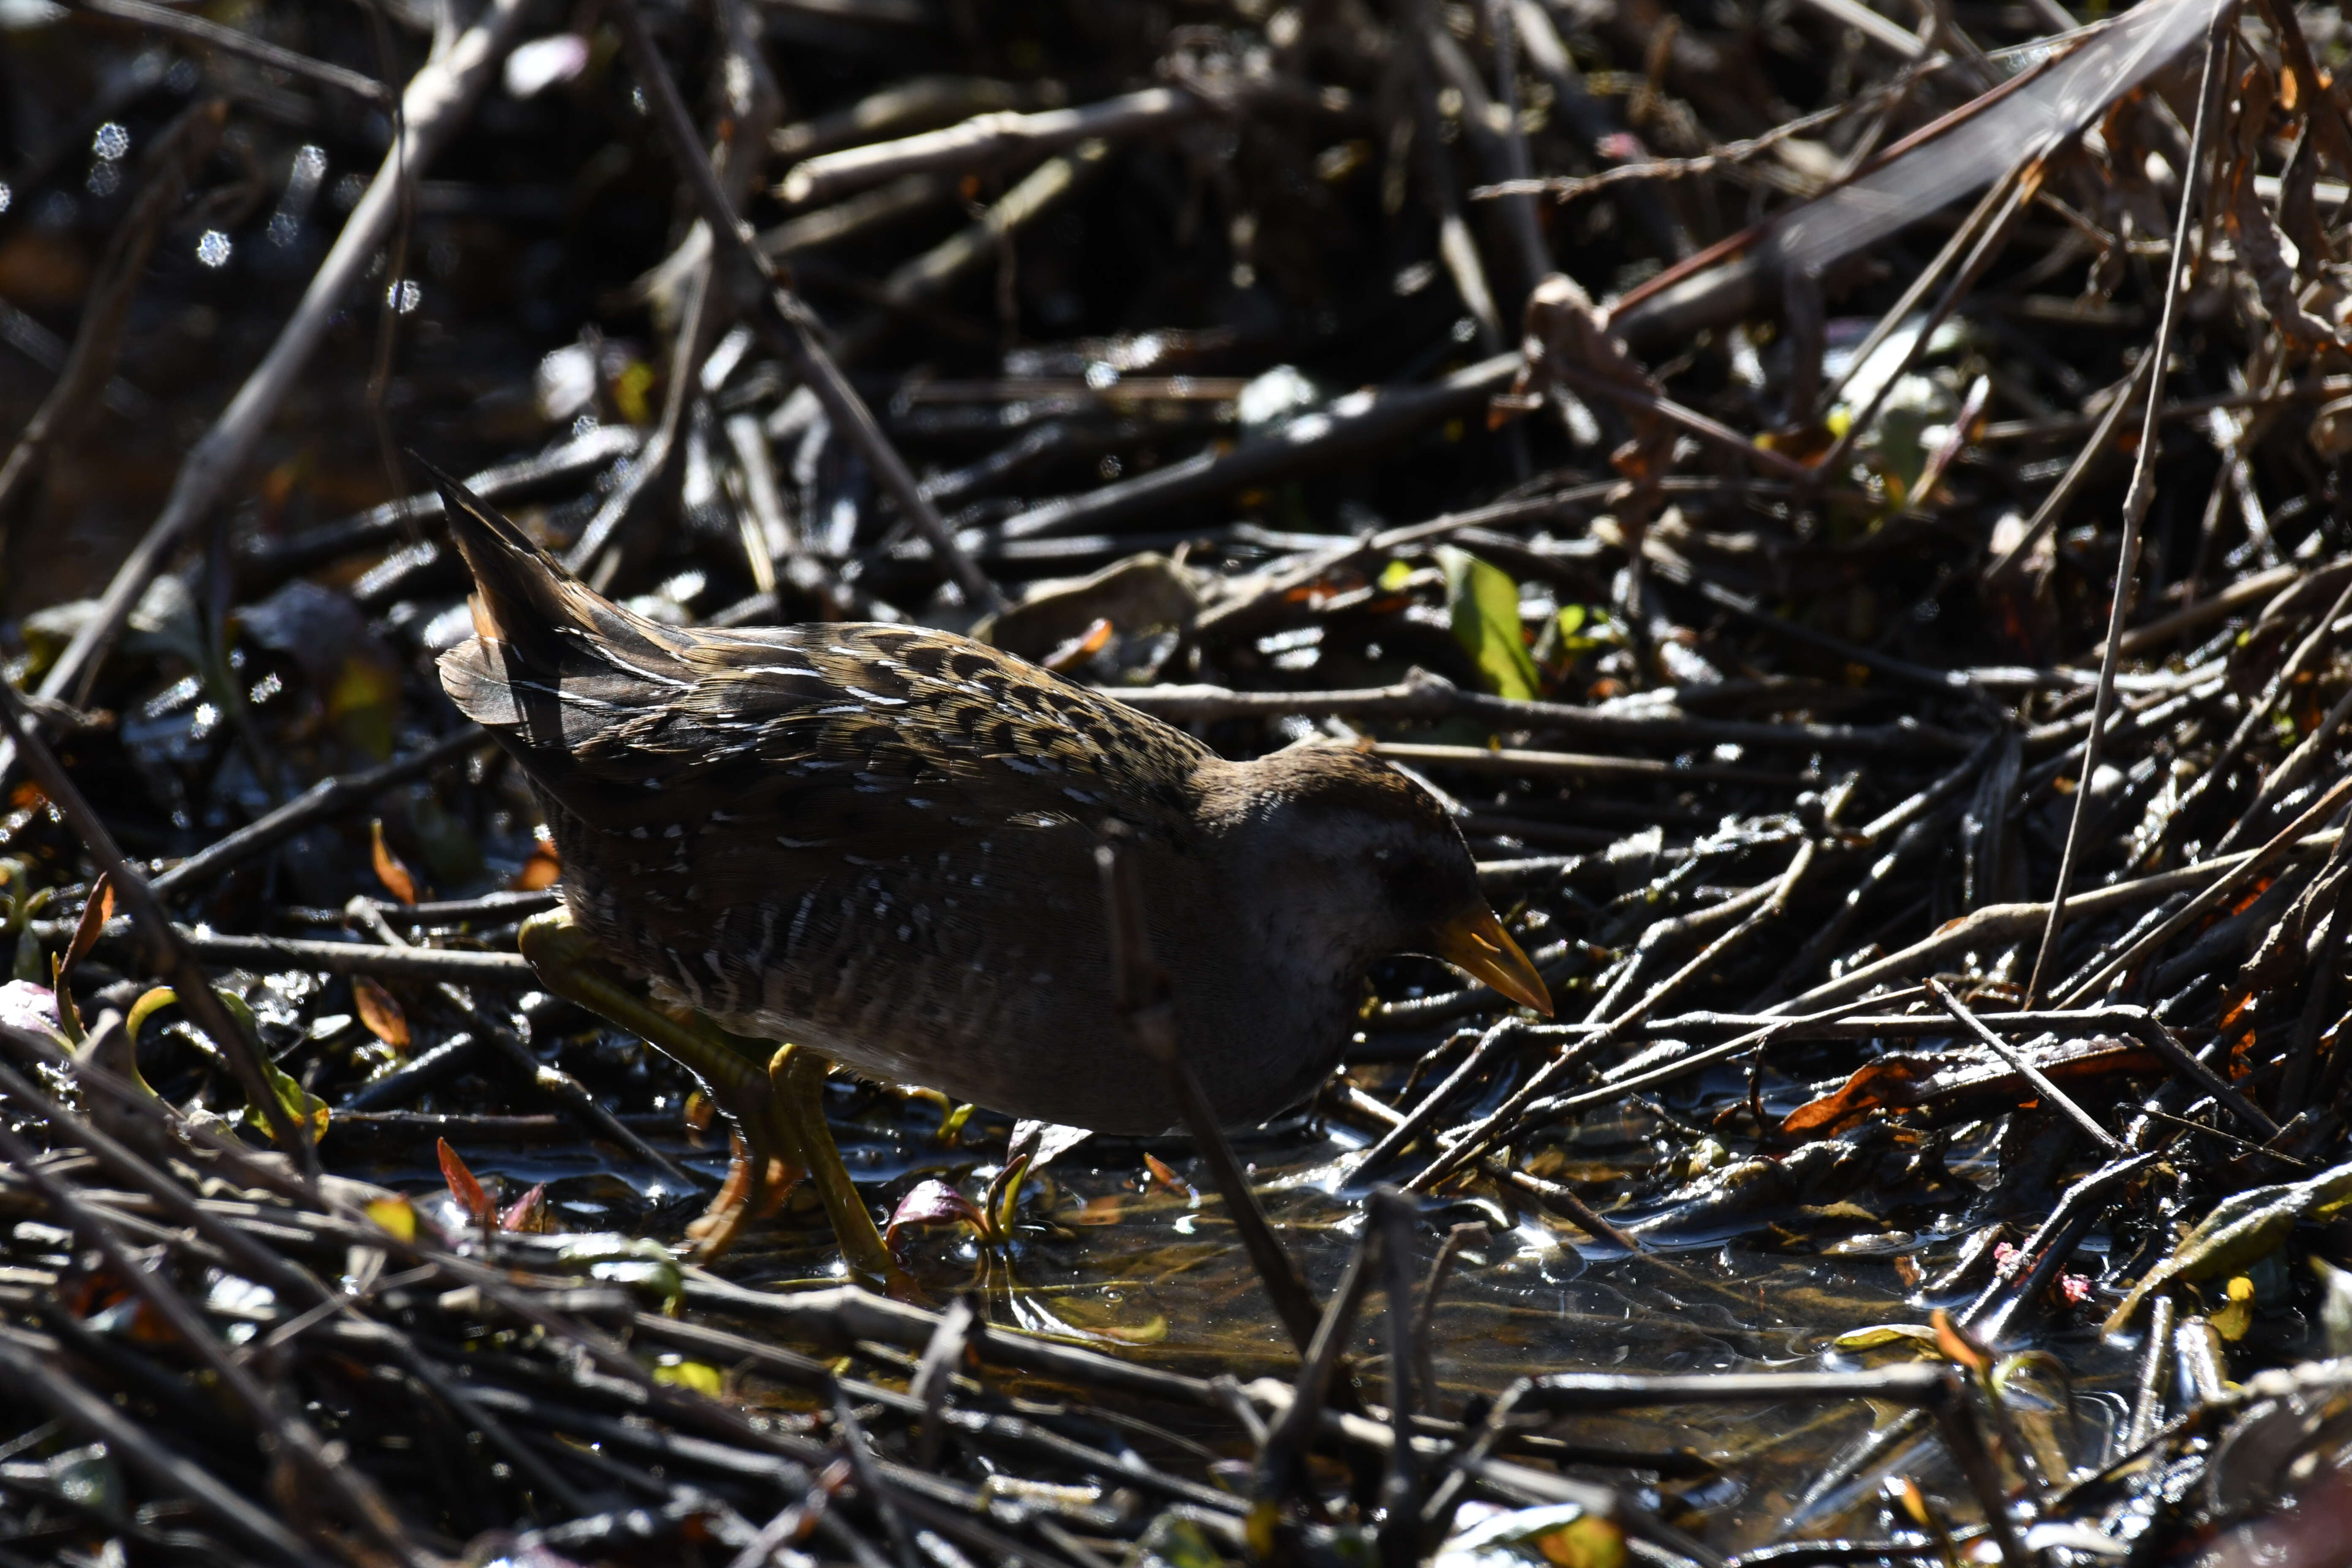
<point>773,1095</point>
<point>798,1074</point>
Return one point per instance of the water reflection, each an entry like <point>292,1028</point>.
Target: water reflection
<point>1110,1253</point>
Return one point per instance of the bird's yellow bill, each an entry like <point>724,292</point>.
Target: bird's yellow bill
<point>1479,946</point>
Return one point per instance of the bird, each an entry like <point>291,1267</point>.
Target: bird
<point>875,843</point>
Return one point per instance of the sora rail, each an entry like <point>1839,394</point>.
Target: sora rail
<point>876,842</point>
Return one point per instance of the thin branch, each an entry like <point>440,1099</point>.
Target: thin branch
<point>2024,1064</point>
<point>2195,178</point>
<point>212,35</point>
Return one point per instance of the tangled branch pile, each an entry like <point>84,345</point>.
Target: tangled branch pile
<point>1846,508</point>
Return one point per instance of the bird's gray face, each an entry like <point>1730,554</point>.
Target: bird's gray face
<point>1353,862</point>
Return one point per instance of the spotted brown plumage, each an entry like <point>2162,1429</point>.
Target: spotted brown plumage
<point>876,841</point>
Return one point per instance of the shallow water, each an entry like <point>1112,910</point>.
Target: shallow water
<point>1108,1253</point>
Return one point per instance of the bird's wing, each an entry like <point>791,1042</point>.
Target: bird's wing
<point>875,742</point>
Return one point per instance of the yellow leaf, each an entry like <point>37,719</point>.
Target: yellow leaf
<point>2233,1321</point>
<point>307,1108</point>
<point>1150,1332</point>
<point>694,1374</point>
<point>2243,1229</point>
<point>395,1215</point>
<point>361,703</point>
<point>630,389</point>
<point>1586,1543</point>
<point>1257,1529</point>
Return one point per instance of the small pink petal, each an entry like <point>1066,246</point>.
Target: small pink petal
<point>516,1215</point>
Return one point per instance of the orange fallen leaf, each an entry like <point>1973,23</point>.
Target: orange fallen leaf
<point>381,1013</point>
<point>394,876</point>
<point>1166,1177</point>
<point>1936,1088</point>
<point>544,869</point>
<point>1958,1345</point>
<point>463,1187</point>
<point>1079,649</point>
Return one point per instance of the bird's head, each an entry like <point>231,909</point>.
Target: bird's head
<point>1353,858</point>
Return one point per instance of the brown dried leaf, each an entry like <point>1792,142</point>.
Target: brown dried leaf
<point>95,912</point>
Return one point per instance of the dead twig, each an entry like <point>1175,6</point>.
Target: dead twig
<point>2197,177</point>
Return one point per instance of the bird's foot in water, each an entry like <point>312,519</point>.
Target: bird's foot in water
<point>773,1095</point>
<point>755,1188</point>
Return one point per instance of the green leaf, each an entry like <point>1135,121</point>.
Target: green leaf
<point>306,1108</point>
<point>1584,628</point>
<point>662,1279</point>
<point>2033,1388</point>
<point>1006,1190</point>
<point>1879,1334</point>
<point>1485,605</point>
<point>31,962</point>
<point>2243,1228</point>
<point>153,1002</point>
<point>637,1262</point>
<point>1172,1540</point>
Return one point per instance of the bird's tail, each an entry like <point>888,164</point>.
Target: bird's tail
<point>534,622</point>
